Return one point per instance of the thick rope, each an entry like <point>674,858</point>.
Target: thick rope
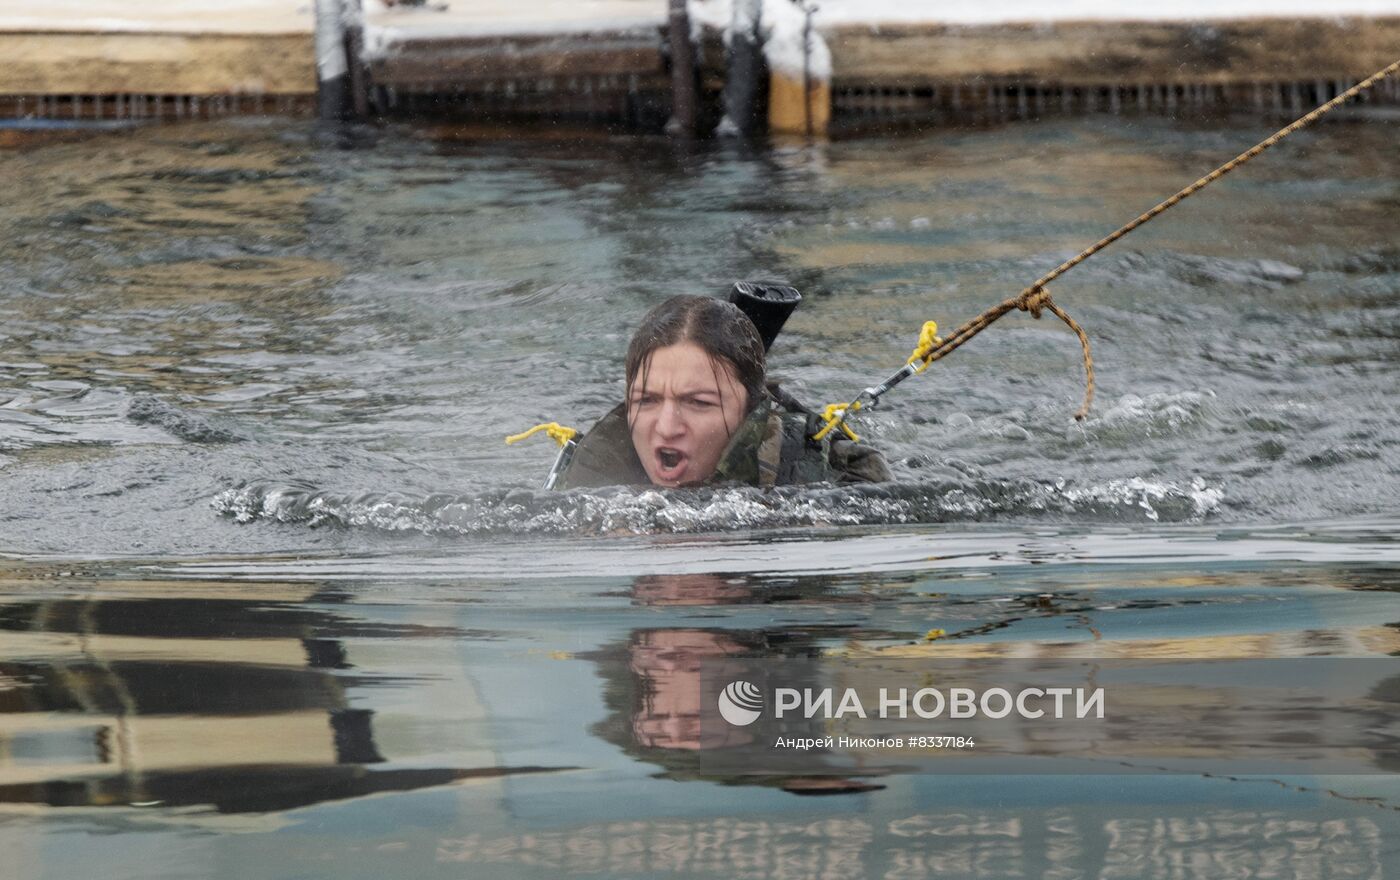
<point>1036,297</point>
<point>1218,173</point>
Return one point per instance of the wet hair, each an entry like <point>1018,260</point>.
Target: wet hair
<point>718,328</point>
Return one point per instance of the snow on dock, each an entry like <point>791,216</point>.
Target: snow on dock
<point>892,59</point>
<point>609,59</point>
<point>106,59</point>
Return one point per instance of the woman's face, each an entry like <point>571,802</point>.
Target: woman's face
<point>682,419</point>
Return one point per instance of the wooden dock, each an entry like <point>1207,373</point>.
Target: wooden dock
<point>105,59</point>
<point>610,62</point>
<point>1280,67</point>
<point>905,73</point>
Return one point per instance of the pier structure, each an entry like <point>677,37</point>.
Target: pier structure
<point>112,60</point>
<point>131,692</point>
<point>493,61</point>
<point>954,72</point>
<point>850,66</point>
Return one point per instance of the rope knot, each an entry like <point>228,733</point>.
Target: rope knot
<point>928,341</point>
<point>1034,301</point>
<point>835,415</point>
<point>555,431</point>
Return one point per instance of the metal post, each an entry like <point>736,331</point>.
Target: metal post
<point>683,92</point>
<point>807,65</point>
<point>332,69</point>
<point>745,64</point>
<point>354,51</point>
<point>807,10</point>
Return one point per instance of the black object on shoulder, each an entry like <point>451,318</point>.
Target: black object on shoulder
<point>767,303</point>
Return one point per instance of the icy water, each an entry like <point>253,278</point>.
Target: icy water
<point>276,601</point>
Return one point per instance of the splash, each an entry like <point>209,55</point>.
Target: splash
<point>1132,418</point>
<point>624,510</point>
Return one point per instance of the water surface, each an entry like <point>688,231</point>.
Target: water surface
<point>303,329</point>
<point>275,599</point>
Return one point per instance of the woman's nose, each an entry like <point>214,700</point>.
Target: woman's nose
<point>671,421</point>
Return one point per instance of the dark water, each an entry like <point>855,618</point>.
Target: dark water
<point>296,330</point>
<point>275,599</point>
<point>435,715</point>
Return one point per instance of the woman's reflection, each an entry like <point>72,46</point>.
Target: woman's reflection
<point>654,690</point>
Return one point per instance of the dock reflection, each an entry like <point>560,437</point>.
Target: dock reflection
<point>239,697</point>
<point>654,682</point>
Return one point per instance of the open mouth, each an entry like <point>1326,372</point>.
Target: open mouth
<point>671,462</point>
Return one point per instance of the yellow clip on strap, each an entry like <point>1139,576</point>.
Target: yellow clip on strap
<point>834,413</point>
<point>557,432</point>
<point>928,341</point>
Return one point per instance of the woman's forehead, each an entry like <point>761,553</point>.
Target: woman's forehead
<point>684,368</point>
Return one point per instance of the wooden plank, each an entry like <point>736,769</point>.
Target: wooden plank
<point>795,109</point>
<point>419,62</point>
<point>126,107</point>
<point>1253,50</point>
<point>189,64</point>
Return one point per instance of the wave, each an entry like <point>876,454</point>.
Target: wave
<point>73,413</point>
<point>147,409</point>
<point>1195,269</point>
<point>629,510</point>
<point>1132,418</point>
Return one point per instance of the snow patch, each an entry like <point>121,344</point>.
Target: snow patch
<point>782,29</point>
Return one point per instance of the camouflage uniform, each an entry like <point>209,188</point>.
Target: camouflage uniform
<point>772,447</point>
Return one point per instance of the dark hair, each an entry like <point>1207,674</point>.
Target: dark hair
<point>719,328</point>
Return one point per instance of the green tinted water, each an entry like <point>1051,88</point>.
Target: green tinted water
<point>277,601</point>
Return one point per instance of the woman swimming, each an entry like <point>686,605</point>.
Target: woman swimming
<point>699,411</point>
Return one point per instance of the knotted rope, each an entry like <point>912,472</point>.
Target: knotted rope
<point>558,433</point>
<point>1036,297</point>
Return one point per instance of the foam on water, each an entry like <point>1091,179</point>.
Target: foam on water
<point>643,511</point>
<point>1132,417</point>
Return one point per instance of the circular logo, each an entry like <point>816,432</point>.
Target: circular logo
<point>741,703</point>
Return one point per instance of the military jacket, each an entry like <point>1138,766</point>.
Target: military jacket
<point>772,447</point>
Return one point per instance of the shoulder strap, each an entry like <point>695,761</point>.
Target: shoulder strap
<point>770,451</point>
<point>605,456</point>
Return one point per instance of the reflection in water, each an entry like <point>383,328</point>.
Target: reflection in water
<point>691,589</point>
<point>654,691</point>
<point>204,690</point>
<point>960,844</point>
<point>306,335</point>
<point>243,704</point>
<point>659,690</point>
<point>667,662</point>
